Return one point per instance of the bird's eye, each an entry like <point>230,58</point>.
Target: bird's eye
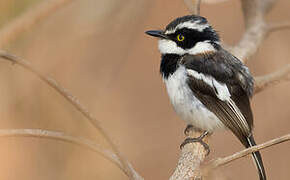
<point>180,37</point>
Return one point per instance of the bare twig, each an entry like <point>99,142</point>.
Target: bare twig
<point>193,6</point>
<point>222,161</point>
<point>278,26</point>
<point>28,19</point>
<point>40,133</point>
<point>132,174</point>
<point>262,82</point>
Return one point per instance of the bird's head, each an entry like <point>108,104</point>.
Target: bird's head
<point>187,35</point>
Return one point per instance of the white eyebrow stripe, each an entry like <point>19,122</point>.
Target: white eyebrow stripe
<point>190,25</point>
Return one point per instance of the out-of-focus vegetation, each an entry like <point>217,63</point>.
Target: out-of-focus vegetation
<point>10,9</point>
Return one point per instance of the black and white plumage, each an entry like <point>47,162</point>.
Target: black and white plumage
<point>208,87</point>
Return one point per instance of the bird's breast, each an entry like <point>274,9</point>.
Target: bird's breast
<point>186,105</point>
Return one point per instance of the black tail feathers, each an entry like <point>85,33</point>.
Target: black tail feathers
<point>257,158</point>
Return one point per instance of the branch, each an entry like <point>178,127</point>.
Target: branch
<point>191,158</point>
<point>193,6</point>
<point>12,30</point>
<point>130,172</point>
<point>263,82</point>
<point>256,28</point>
<point>272,27</point>
<point>213,1</point>
<point>60,136</point>
<point>222,161</point>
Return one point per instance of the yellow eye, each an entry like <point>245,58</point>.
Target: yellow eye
<point>180,37</point>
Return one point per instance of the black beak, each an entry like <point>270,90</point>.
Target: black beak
<point>157,33</point>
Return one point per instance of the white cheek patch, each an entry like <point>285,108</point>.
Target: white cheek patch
<point>170,47</point>
<point>221,88</point>
<point>201,47</point>
<point>190,25</point>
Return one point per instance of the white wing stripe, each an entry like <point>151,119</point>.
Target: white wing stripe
<point>223,94</point>
<point>221,88</point>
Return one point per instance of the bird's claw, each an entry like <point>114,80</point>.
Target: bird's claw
<point>187,129</point>
<point>194,140</point>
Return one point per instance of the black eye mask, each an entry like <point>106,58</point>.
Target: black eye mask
<point>192,36</point>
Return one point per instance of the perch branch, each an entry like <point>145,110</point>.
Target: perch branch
<point>132,174</point>
<point>11,31</point>
<point>191,158</point>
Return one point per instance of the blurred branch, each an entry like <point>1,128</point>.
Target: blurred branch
<point>193,6</point>
<point>214,1</point>
<point>35,14</point>
<point>60,136</point>
<point>278,26</point>
<point>263,82</point>
<point>256,28</point>
<point>222,161</point>
<point>128,170</point>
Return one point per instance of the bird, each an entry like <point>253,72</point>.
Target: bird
<point>209,88</point>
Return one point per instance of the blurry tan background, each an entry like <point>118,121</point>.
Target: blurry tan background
<point>98,50</point>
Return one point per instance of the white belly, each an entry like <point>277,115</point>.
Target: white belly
<point>187,106</point>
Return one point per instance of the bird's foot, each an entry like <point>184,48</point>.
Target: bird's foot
<point>198,139</point>
<point>187,129</point>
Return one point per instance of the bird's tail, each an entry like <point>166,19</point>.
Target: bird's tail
<point>257,158</point>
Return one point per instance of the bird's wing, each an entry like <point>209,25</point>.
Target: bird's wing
<point>222,92</point>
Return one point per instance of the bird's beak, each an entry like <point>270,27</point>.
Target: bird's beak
<point>157,33</point>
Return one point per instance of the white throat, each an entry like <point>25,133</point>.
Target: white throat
<point>170,47</point>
